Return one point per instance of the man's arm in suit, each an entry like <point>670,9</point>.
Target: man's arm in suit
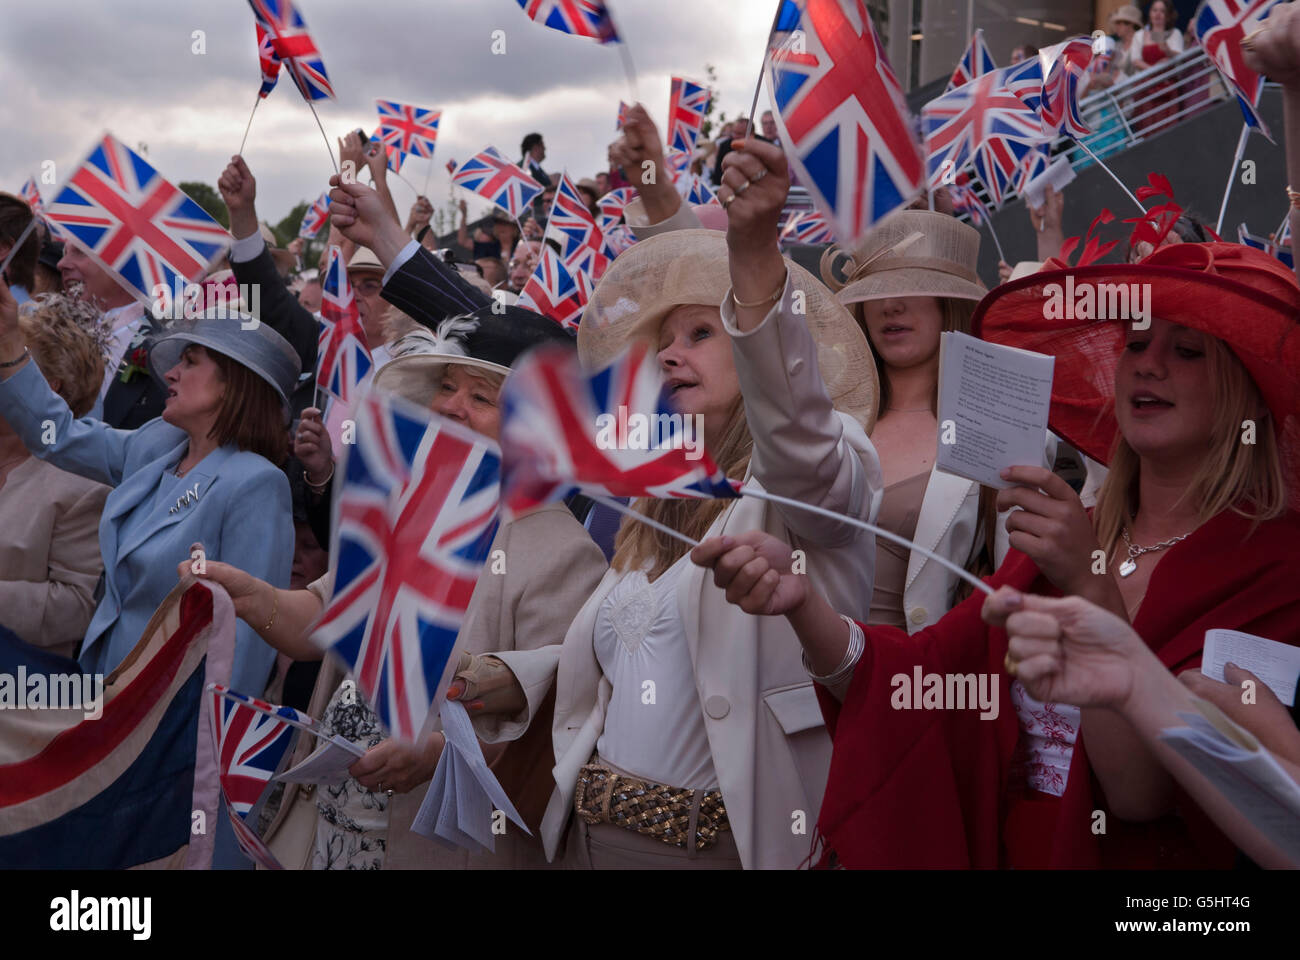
<point>428,290</point>
<point>278,308</point>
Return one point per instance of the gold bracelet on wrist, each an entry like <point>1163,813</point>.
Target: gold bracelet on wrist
<point>776,295</point>
<point>275,607</point>
<point>317,487</point>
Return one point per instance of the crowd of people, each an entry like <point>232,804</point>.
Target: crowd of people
<point>773,737</point>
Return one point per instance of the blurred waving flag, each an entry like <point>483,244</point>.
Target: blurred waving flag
<point>414,519</point>
<point>581,18</point>
<point>1035,162</point>
<point>343,358</point>
<point>571,223</point>
<point>965,200</point>
<point>688,102</point>
<point>1220,26</point>
<point>808,226</point>
<point>252,740</point>
<point>697,192</point>
<point>413,130</point>
<point>564,430</point>
<point>976,62</point>
<point>32,194</point>
<point>315,217</point>
<point>611,205</point>
<point>842,118</point>
<point>491,175</point>
<point>268,61</point>
<point>1064,65</point>
<point>120,209</point>
<point>998,162</point>
<point>957,123</point>
<point>292,44</point>
<point>555,292</point>
<point>622,114</point>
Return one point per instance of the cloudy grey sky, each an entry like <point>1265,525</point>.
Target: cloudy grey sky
<point>72,71</point>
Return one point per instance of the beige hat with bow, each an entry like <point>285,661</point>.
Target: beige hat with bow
<point>911,253</point>
<point>688,267</point>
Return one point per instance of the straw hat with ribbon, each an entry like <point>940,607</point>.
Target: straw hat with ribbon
<point>1127,14</point>
<point>911,253</point>
<point>1241,296</point>
<point>689,267</point>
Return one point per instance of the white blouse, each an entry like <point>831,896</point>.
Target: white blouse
<point>1049,731</point>
<point>654,726</point>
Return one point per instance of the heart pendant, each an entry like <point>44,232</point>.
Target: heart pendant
<point>1127,567</point>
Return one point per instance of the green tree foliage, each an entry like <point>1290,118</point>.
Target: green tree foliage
<point>706,129</point>
<point>288,227</point>
<point>207,198</point>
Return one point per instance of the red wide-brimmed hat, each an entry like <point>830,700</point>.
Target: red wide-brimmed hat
<point>1242,296</point>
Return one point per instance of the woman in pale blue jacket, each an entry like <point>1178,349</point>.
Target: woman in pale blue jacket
<point>205,471</point>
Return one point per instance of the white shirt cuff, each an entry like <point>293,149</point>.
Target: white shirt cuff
<point>247,248</point>
<point>407,252</point>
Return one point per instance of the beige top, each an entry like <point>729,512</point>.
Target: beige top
<point>49,554</point>
<point>900,508</point>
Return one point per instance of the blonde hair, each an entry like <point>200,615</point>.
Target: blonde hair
<point>1244,478</point>
<point>492,378</point>
<point>67,340</point>
<point>638,543</point>
<point>956,314</point>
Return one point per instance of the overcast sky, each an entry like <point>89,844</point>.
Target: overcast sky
<point>71,71</point>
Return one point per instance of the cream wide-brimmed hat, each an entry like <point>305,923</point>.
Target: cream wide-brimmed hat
<point>688,267</point>
<point>911,253</point>
<point>1128,14</point>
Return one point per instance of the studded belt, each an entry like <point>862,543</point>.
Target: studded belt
<point>652,809</point>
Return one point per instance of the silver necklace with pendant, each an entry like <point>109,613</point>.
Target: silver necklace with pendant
<point>1129,566</point>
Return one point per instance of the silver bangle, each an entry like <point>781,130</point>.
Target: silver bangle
<point>857,645</point>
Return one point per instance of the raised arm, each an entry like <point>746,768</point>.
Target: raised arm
<point>801,449</point>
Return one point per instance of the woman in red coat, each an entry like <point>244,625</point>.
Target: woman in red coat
<point>1197,410</point>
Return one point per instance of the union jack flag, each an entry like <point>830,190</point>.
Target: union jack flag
<point>315,217</point>
<point>32,194</point>
<point>414,521</point>
<point>410,129</point>
<point>1278,247</point>
<point>1064,65</point>
<point>1035,162</point>
<point>581,18</point>
<point>976,62</point>
<point>687,104</point>
<point>623,108</point>
<point>999,163</point>
<point>965,200</point>
<point>294,46</point>
<point>678,163</point>
<point>343,359</point>
<point>1284,235</point>
<point>555,292</point>
<point>611,206</point>
<point>697,192</point>
<point>491,175</point>
<point>620,237</point>
<point>268,61</point>
<point>564,430</point>
<point>842,118</point>
<point>123,212</point>
<point>252,740</point>
<point>395,156</point>
<point>582,242</point>
<point>1103,51</point>
<point>808,226</point>
<point>1220,26</point>
<point>957,123</point>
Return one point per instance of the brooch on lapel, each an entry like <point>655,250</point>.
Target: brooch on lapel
<point>191,496</point>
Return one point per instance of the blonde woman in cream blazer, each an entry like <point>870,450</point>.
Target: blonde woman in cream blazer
<point>808,390</point>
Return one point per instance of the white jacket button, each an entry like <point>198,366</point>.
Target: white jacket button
<point>717,707</point>
<point>918,615</point>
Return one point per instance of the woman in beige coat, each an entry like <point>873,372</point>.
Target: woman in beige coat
<point>686,734</point>
<point>49,552</point>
